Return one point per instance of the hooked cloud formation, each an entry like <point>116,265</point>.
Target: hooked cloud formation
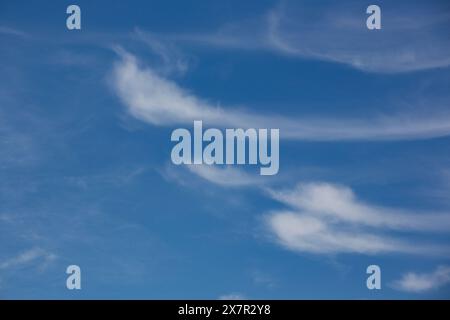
<point>325,218</point>
<point>412,38</point>
<point>159,101</point>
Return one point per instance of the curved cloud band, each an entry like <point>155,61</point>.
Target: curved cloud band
<point>327,218</point>
<point>160,101</point>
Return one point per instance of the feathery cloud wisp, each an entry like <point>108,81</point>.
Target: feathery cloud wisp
<point>421,282</point>
<point>340,203</point>
<point>416,41</point>
<point>305,233</point>
<point>12,32</point>
<point>326,218</point>
<point>226,177</point>
<point>26,257</point>
<point>416,37</point>
<point>159,101</point>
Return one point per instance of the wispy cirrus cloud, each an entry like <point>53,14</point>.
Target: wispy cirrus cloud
<point>226,176</point>
<point>306,233</point>
<point>18,146</point>
<point>337,202</point>
<point>12,32</point>
<point>34,255</point>
<point>325,219</point>
<point>412,38</point>
<point>157,100</point>
<point>416,41</point>
<point>172,60</point>
<point>422,282</point>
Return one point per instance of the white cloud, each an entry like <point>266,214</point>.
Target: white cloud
<point>409,40</point>
<point>156,100</point>
<point>12,32</point>
<point>340,203</point>
<point>27,257</point>
<point>326,218</point>
<point>159,101</point>
<point>304,233</point>
<point>171,58</point>
<point>420,282</point>
<point>413,37</point>
<point>226,177</point>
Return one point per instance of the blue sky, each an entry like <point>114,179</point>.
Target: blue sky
<point>85,171</point>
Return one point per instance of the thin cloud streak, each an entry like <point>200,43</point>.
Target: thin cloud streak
<point>422,282</point>
<point>415,39</point>
<point>27,257</point>
<point>340,202</point>
<point>414,42</point>
<point>226,177</point>
<point>12,32</point>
